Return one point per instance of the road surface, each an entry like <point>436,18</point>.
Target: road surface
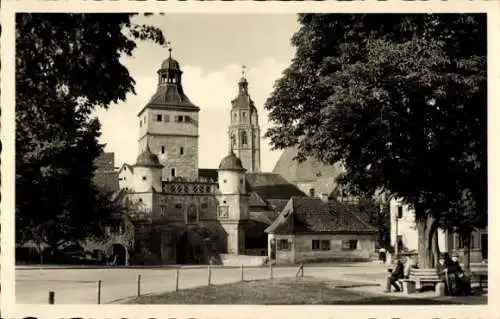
<point>79,286</point>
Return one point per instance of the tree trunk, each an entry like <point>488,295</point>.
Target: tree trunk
<point>426,228</point>
<point>467,239</point>
<point>435,246</point>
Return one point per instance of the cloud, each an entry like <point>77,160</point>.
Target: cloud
<point>212,92</point>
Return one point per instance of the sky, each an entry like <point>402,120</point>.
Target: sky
<point>211,48</point>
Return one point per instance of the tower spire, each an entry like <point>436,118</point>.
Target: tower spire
<point>169,46</point>
<point>243,69</point>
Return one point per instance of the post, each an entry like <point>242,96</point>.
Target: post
<point>209,275</point>
<point>396,245</point>
<point>242,272</point>
<point>177,279</point>
<point>51,297</point>
<point>271,271</point>
<point>138,285</point>
<point>98,292</point>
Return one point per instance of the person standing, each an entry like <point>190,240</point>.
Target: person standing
<point>382,253</point>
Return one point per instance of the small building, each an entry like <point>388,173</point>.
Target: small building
<point>311,229</point>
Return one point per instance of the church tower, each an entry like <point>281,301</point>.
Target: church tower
<point>168,124</point>
<point>233,202</point>
<point>244,131</point>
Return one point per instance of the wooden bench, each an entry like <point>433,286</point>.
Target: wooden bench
<point>479,272</point>
<point>420,278</point>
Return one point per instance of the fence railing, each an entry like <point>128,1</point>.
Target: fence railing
<point>209,281</point>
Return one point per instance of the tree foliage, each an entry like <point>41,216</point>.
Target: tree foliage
<point>401,101</point>
<point>67,65</point>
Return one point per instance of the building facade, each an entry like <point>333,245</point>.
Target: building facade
<point>404,231</point>
<point>182,214</point>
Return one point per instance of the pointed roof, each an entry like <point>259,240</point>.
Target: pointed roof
<point>243,99</point>
<point>170,95</point>
<point>312,215</point>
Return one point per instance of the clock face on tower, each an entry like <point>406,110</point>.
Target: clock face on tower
<point>223,211</point>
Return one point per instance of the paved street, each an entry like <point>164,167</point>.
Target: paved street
<point>79,286</point>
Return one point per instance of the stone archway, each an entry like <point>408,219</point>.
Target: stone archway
<point>189,248</point>
<point>119,254</point>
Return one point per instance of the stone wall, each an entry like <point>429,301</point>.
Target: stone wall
<point>185,164</point>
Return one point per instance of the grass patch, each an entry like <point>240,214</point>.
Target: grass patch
<point>287,291</point>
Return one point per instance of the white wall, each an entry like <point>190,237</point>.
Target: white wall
<point>407,228</point>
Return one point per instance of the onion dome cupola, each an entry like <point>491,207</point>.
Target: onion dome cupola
<point>231,163</point>
<point>243,100</point>
<point>169,92</point>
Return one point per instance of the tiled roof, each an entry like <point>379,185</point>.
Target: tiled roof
<point>105,162</point>
<point>256,201</point>
<point>171,95</point>
<point>307,171</point>
<point>272,186</point>
<point>312,215</point>
<point>277,204</point>
<point>106,181</point>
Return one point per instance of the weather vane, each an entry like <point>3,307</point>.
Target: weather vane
<point>243,68</point>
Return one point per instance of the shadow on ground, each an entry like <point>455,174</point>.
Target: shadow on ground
<point>293,291</point>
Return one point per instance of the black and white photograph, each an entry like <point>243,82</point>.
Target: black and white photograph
<point>279,158</point>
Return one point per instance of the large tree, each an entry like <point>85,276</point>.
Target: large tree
<point>401,101</point>
<point>67,65</point>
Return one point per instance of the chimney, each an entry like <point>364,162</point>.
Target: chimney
<point>324,197</point>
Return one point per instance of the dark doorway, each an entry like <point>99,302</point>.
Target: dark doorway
<point>119,254</point>
<point>484,245</point>
<point>182,249</point>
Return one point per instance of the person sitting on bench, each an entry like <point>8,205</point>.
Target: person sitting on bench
<point>396,274</point>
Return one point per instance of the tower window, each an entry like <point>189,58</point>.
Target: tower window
<point>181,150</point>
<point>163,149</point>
<point>172,172</point>
<point>235,115</point>
<point>144,178</point>
<point>225,181</point>
<point>244,114</point>
<point>140,123</point>
<point>158,117</point>
<point>244,138</point>
<point>233,140</point>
